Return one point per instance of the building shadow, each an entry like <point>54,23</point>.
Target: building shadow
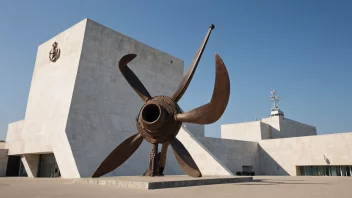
<point>263,182</point>
<point>268,165</point>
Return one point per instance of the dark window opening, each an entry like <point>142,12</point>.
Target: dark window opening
<point>48,166</point>
<point>344,171</point>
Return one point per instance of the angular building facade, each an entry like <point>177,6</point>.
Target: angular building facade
<point>80,108</point>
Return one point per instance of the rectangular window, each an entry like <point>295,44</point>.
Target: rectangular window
<point>302,170</point>
<point>344,171</point>
<point>314,170</point>
<point>321,170</point>
<point>338,170</point>
<point>333,171</point>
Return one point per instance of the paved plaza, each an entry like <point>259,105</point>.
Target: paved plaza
<point>263,187</point>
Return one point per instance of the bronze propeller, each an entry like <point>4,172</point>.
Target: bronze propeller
<point>160,118</point>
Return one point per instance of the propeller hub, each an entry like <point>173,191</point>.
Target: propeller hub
<point>156,120</point>
<point>153,116</point>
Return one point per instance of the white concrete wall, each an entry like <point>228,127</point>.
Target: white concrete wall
<point>104,106</point>
<point>265,130</point>
<point>248,131</point>
<point>281,127</point>
<point>291,128</point>
<point>274,126</point>
<point>31,164</point>
<point>281,156</point>
<point>234,153</point>
<point>43,129</point>
<point>14,131</point>
<point>51,90</point>
<point>3,145</point>
<point>206,160</point>
<point>14,137</point>
<point>197,130</point>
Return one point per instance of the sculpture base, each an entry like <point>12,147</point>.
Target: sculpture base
<point>150,183</point>
<point>150,173</point>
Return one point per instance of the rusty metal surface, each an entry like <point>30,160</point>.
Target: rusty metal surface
<point>153,169</point>
<point>192,68</point>
<point>211,112</point>
<point>185,160</point>
<point>165,127</point>
<point>160,119</point>
<point>119,155</point>
<point>131,78</point>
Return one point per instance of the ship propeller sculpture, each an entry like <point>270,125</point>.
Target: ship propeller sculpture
<point>160,118</point>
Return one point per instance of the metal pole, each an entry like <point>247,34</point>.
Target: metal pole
<point>154,159</point>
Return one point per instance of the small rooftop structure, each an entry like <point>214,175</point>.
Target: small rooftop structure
<point>275,111</point>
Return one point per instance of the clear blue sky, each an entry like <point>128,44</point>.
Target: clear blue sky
<point>301,48</point>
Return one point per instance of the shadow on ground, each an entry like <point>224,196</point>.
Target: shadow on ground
<point>276,182</point>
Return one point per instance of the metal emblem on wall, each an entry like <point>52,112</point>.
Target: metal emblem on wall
<point>54,53</point>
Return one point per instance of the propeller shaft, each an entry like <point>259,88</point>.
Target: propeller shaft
<point>153,117</point>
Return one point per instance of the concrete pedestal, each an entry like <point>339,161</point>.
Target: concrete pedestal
<point>141,182</point>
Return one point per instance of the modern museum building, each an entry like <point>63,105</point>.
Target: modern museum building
<point>80,108</point>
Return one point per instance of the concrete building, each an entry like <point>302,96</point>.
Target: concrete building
<point>280,146</point>
<point>80,108</point>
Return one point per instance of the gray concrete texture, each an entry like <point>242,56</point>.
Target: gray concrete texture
<point>267,128</point>
<point>152,183</point>
<point>234,153</point>
<point>263,187</point>
<point>104,106</point>
<point>81,107</point>
<point>281,156</point>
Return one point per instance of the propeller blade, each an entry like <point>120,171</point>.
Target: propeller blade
<point>131,78</point>
<point>192,68</point>
<point>185,159</point>
<point>119,155</point>
<point>211,112</point>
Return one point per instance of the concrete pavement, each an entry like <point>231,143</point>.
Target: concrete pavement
<point>263,187</point>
